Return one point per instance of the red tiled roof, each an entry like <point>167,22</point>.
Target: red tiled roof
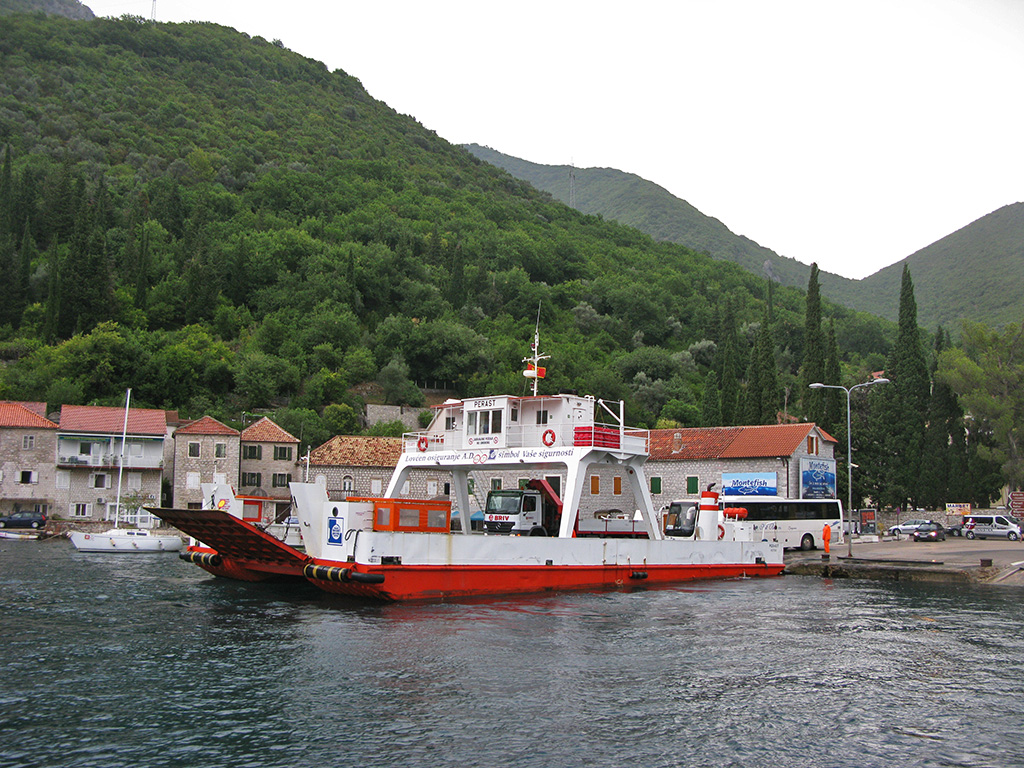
<point>35,407</point>
<point>17,415</point>
<point>266,431</point>
<point>702,443</point>
<point>730,442</point>
<point>350,451</point>
<point>109,420</point>
<point>206,426</point>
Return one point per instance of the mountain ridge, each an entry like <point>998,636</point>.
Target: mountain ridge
<point>630,199</point>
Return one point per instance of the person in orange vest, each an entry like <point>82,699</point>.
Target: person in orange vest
<point>826,536</point>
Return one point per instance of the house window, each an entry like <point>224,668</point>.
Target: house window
<point>595,485</point>
<point>192,481</point>
<point>251,479</point>
<point>98,481</point>
<point>135,449</point>
<point>28,442</point>
<point>812,445</point>
<point>135,481</point>
<point>405,488</point>
<point>63,478</point>
<point>193,450</point>
<point>617,485</point>
<point>347,483</point>
<point>84,449</point>
<point>655,485</point>
<point>376,486</point>
<point>28,477</point>
<point>692,485</point>
<point>281,480</point>
<point>220,450</point>
<point>282,453</point>
<point>81,510</point>
<point>252,451</point>
<point>495,483</point>
<point>431,487</point>
<point>220,478</point>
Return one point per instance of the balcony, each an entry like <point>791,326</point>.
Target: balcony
<point>109,461</point>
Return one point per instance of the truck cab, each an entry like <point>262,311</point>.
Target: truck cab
<point>534,510</point>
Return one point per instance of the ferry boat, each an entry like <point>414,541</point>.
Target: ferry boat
<point>398,548</point>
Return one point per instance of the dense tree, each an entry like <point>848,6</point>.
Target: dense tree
<point>813,368</point>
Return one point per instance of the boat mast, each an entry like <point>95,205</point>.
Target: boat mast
<point>120,463</point>
<point>534,371</point>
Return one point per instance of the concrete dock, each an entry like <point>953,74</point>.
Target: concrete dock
<point>991,561</point>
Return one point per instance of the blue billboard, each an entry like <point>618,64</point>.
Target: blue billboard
<point>817,478</point>
<point>750,484</point>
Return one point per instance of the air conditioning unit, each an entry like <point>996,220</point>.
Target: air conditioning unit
<point>100,501</point>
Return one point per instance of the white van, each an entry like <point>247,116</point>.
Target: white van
<point>991,526</point>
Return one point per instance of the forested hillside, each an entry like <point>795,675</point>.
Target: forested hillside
<point>222,224</point>
<point>972,274</point>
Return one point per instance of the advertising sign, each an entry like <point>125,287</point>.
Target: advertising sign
<point>817,478</point>
<point>957,508</point>
<point>750,484</point>
<point>1017,501</point>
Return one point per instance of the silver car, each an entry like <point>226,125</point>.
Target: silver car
<point>907,526</point>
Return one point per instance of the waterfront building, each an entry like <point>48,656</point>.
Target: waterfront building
<point>28,443</point>
<point>205,451</point>
<point>91,462</point>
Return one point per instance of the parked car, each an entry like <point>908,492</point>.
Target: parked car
<point>907,526</point>
<point>929,532</point>
<point>23,520</point>
<point>956,529</point>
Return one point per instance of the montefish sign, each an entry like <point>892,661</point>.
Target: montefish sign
<point>817,478</point>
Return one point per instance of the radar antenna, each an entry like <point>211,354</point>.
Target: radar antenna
<point>534,371</point>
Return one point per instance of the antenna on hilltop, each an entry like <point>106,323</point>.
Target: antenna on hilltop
<point>572,182</point>
<point>152,13</point>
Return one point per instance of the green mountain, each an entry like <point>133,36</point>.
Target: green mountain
<point>223,224</point>
<point>970,274</point>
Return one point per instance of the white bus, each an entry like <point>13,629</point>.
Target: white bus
<point>794,522</point>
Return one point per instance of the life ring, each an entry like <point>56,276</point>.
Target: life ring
<point>422,443</point>
<point>721,531</point>
<point>548,437</point>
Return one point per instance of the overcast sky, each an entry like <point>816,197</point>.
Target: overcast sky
<point>851,134</point>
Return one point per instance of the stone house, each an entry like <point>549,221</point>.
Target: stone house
<point>683,462</point>
<point>92,463</point>
<point>28,445</point>
<point>268,463</point>
<point>205,451</point>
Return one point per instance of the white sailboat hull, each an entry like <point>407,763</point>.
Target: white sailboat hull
<point>124,540</point>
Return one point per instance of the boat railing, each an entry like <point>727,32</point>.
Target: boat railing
<point>631,440</point>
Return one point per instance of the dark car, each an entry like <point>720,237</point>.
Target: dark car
<point>929,532</point>
<point>23,520</point>
<point>957,529</point>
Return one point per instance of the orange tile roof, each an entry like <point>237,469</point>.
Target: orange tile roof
<point>352,451</point>
<point>769,440</point>
<point>266,431</point>
<point>109,420</point>
<point>206,426</point>
<point>681,444</point>
<point>17,415</point>
<point>32,405</point>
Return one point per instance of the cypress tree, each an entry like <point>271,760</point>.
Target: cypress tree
<point>899,411</point>
<point>813,368</point>
<point>710,407</point>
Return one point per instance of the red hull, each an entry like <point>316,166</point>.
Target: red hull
<point>404,582</point>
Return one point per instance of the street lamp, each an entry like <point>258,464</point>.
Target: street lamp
<point>849,452</point>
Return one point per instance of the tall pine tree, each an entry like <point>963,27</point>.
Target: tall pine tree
<point>813,368</point>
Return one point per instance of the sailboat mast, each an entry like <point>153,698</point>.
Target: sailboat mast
<point>120,463</point>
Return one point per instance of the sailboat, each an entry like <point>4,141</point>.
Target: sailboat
<point>118,539</point>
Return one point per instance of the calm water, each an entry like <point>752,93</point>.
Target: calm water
<point>121,660</point>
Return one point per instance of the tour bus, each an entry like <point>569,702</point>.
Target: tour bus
<point>794,522</point>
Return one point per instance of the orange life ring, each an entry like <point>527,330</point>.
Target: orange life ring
<point>548,437</point>
<point>422,443</point>
<point>721,531</point>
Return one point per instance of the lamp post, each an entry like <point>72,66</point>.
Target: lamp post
<point>849,451</point>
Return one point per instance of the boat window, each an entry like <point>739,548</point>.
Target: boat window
<point>542,417</point>
<point>682,521</point>
<point>471,423</point>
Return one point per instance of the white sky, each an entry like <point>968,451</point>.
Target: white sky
<point>851,134</point>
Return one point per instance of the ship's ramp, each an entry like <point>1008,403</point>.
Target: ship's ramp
<point>235,539</point>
